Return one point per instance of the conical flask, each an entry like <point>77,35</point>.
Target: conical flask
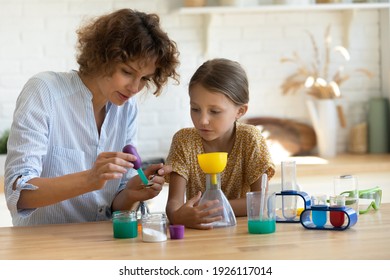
<point>213,164</point>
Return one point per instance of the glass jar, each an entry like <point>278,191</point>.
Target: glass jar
<point>154,228</point>
<point>125,224</point>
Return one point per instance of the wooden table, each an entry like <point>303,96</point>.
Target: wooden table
<point>368,239</point>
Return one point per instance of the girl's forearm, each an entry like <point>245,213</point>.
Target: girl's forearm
<point>238,206</point>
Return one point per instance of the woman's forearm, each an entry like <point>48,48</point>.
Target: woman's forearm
<point>53,190</point>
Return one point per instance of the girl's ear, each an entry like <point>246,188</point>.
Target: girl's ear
<point>242,110</point>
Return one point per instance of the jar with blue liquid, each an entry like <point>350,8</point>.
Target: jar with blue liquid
<point>319,204</point>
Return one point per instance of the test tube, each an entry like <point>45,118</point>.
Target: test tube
<point>289,202</point>
<point>319,216</point>
<point>337,218</point>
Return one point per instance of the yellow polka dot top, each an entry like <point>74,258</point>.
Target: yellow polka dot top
<point>249,159</point>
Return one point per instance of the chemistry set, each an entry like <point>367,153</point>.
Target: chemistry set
<point>261,206</point>
<point>264,208</point>
<point>314,210</point>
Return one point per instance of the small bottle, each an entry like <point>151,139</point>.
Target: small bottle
<point>125,224</point>
<point>289,185</point>
<point>319,207</point>
<point>337,218</point>
<point>154,228</point>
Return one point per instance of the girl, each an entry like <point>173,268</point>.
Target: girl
<point>219,96</point>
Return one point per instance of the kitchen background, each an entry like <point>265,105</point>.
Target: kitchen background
<point>39,35</point>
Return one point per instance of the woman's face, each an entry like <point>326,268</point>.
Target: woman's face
<point>126,81</point>
<point>213,114</point>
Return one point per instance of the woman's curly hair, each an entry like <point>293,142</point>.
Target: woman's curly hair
<point>127,35</point>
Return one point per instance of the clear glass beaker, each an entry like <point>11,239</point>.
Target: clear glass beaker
<point>289,202</point>
<point>261,212</point>
<point>347,185</point>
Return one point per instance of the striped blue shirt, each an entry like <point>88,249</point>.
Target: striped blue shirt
<point>54,133</point>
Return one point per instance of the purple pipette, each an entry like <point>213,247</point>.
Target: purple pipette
<point>130,149</point>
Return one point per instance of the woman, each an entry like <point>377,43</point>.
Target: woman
<point>64,161</point>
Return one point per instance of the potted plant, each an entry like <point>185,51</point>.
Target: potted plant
<point>3,150</point>
<point>322,90</point>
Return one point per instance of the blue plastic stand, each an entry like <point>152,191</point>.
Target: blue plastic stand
<point>306,203</point>
<point>350,213</point>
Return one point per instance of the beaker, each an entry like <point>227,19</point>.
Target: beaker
<point>289,202</point>
<point>347,185</point>
<point>261,212</point>
<point>213,164</point>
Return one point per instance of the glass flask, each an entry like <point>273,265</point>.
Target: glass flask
<point>289,184</point>
<point>213,164</point>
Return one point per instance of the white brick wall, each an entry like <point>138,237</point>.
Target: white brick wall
<point>39,35</point>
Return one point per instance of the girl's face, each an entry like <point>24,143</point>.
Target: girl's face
<point>126,81</point>
<point>213,114</point>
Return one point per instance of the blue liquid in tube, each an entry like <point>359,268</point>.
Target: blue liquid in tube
<point>319,217</point>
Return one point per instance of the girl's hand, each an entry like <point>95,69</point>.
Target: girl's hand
<point>155,174</point>
<point>197,216</point>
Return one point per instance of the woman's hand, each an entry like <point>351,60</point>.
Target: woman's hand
<point>193,215</point>
<point>109,166</point>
